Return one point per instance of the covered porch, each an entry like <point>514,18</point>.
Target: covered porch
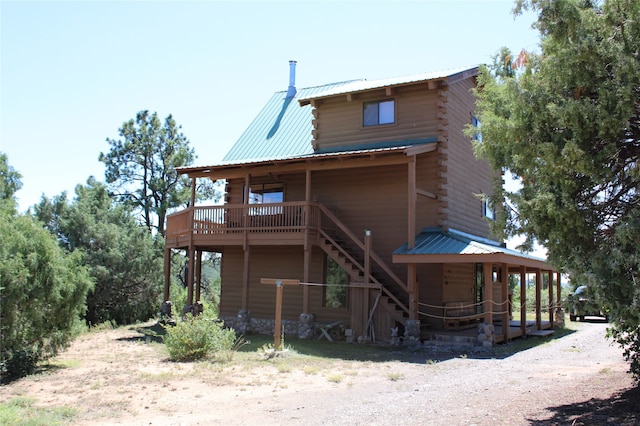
<point>490,300</point>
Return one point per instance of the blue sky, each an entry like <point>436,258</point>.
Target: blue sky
<point>72,72</point>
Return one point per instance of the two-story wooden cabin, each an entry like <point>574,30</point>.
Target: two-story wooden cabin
<point>369,194</point>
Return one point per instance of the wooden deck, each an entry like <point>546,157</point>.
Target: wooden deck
<point>469,335</point>
<point>288,223</point>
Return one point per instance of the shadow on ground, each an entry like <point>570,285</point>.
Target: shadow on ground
<point>622,409</point>
<point>420,354</point>
<point>147,334</point>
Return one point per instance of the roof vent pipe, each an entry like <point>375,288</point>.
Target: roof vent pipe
<point>291,91</point>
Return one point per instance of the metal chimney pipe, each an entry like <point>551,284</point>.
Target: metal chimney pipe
<point>291,91</point>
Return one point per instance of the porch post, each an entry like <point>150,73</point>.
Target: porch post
<point>411,206</point>
<point>538,298</point>
<point>190,271</point>
<point>198,274</point>
<point>504,289</point>
<point>193,192</point>
<point>523,300</point>
<point>247,248</point>
<point>487,294</point>
<point>367,275</point>
<point>167,274</point>
<point>551,301</point>
<point>558,290</point>
<point>245,278</point>
<point>307,247</point>
<point>414,295</point>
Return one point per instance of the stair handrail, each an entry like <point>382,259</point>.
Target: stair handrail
<point>360,245</point>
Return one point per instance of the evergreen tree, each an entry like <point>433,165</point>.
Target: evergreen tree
<point>43,288</point>
<point>566,122</point>
<point>121,254</point>
<point>141,168</point>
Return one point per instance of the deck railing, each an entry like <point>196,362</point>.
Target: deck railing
<point>241,218</point>
<point>277,218</point>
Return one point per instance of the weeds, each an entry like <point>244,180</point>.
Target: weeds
<point>394,377</point>
<point>335,378</point>
<point>21,411</point>
<point>196,338</point>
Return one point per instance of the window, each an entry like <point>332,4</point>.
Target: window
<point>476,124</point>
<point>336,290</point>
<point>378,112</point>
<point>488,210</point>
<point>266,193</point>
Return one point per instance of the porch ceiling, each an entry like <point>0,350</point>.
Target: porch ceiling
<point>435,245</point>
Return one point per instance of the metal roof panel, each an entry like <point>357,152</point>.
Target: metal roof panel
<point>363,85</point>
<point>435,241</point>
<point>282,128</point>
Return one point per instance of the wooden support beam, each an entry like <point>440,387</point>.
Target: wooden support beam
<point>414,295</point>
<point>279,283</point>
<point>558,290</point>
<point>538,298</point>
<point>551,301</point>
<point>167,274</point>
<point>505,307</point>
<point>411,205</point>
<point>190,274</point>
<point>367,276</point>
<point>193,192</point>
<point>523,300</point>
<point>198,274</point>
<point>306,297</point>
<point>245,278</point>
<point>487,294</point>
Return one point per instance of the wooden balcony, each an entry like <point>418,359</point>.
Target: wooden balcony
<point>239,224</point>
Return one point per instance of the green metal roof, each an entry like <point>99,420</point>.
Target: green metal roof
<point>435,241</point>
<point>281,130</point>
<point>364,85</point>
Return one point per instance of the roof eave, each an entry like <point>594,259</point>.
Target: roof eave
<point>447,79</point>
<point>473,258</point>
<point>221,171</point>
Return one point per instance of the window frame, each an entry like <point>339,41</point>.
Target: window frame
<point>367,125</point>
<point>253,200</point>
<point>488,210</point>
<point>477,134</point>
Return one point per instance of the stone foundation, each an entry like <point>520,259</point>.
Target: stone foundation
<point>558,318</point>
<point>244,323</point>
<point>411,332</point>
<point>486,335</point>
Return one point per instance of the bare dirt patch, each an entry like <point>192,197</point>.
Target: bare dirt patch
<point>124,377</point>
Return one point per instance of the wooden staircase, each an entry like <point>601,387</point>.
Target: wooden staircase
<point>364,267</point>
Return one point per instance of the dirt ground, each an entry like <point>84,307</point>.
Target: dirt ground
<point>119,377</point>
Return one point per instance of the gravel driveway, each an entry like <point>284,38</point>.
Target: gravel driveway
<point>112,378</point>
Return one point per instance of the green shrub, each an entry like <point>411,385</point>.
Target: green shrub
<point>197,338</point>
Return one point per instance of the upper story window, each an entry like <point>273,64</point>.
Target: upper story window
<point>488,210</point>
<point>266,193</point>
<point>379,112</point>
<point>475,122</point>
